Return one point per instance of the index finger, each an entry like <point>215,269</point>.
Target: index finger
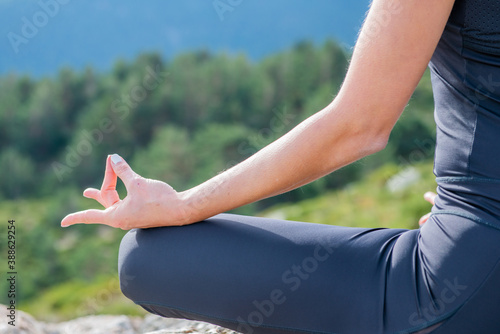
<point>110,177</point>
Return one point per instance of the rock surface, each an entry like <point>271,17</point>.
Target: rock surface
<point>105,324</point>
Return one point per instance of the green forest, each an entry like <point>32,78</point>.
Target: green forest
<point>180,120</point>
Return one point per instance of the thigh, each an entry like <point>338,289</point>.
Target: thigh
<point>261,275</point>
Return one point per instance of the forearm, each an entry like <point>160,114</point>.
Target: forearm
<point>321,144</point>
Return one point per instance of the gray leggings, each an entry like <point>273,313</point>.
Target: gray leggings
<point>259,275</point>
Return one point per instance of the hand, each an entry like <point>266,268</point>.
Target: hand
<point>429,197</point>
<point>149,203</point>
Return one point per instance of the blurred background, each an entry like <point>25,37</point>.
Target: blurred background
<point>182,90</point>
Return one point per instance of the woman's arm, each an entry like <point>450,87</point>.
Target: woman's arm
<point>392,52</point>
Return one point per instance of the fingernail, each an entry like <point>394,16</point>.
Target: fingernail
<point>115,159</point>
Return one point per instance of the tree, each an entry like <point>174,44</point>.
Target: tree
<point>18,174</point>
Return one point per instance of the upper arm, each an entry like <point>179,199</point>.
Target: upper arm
<point>394,47</point>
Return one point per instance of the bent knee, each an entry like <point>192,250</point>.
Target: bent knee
<point>128,265</point>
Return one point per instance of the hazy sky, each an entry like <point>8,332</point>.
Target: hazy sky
<point>41,36</point>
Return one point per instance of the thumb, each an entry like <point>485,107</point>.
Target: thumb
<point>424,219</point>
<point>123,170</point>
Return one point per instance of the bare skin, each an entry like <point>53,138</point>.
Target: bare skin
<point>392,52</point>
<point>431,198</point>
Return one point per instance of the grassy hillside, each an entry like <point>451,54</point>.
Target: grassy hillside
<point>77,298</point>
<point>392,196</point>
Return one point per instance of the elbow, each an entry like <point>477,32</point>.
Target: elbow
<point>378,143</point>
<point>356,134</point>
<point>370,145</point>
<point>372,140</point>
<point>376,134</point>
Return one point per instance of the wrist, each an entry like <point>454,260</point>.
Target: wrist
<point>189,207</point>
<point>198,203</point>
